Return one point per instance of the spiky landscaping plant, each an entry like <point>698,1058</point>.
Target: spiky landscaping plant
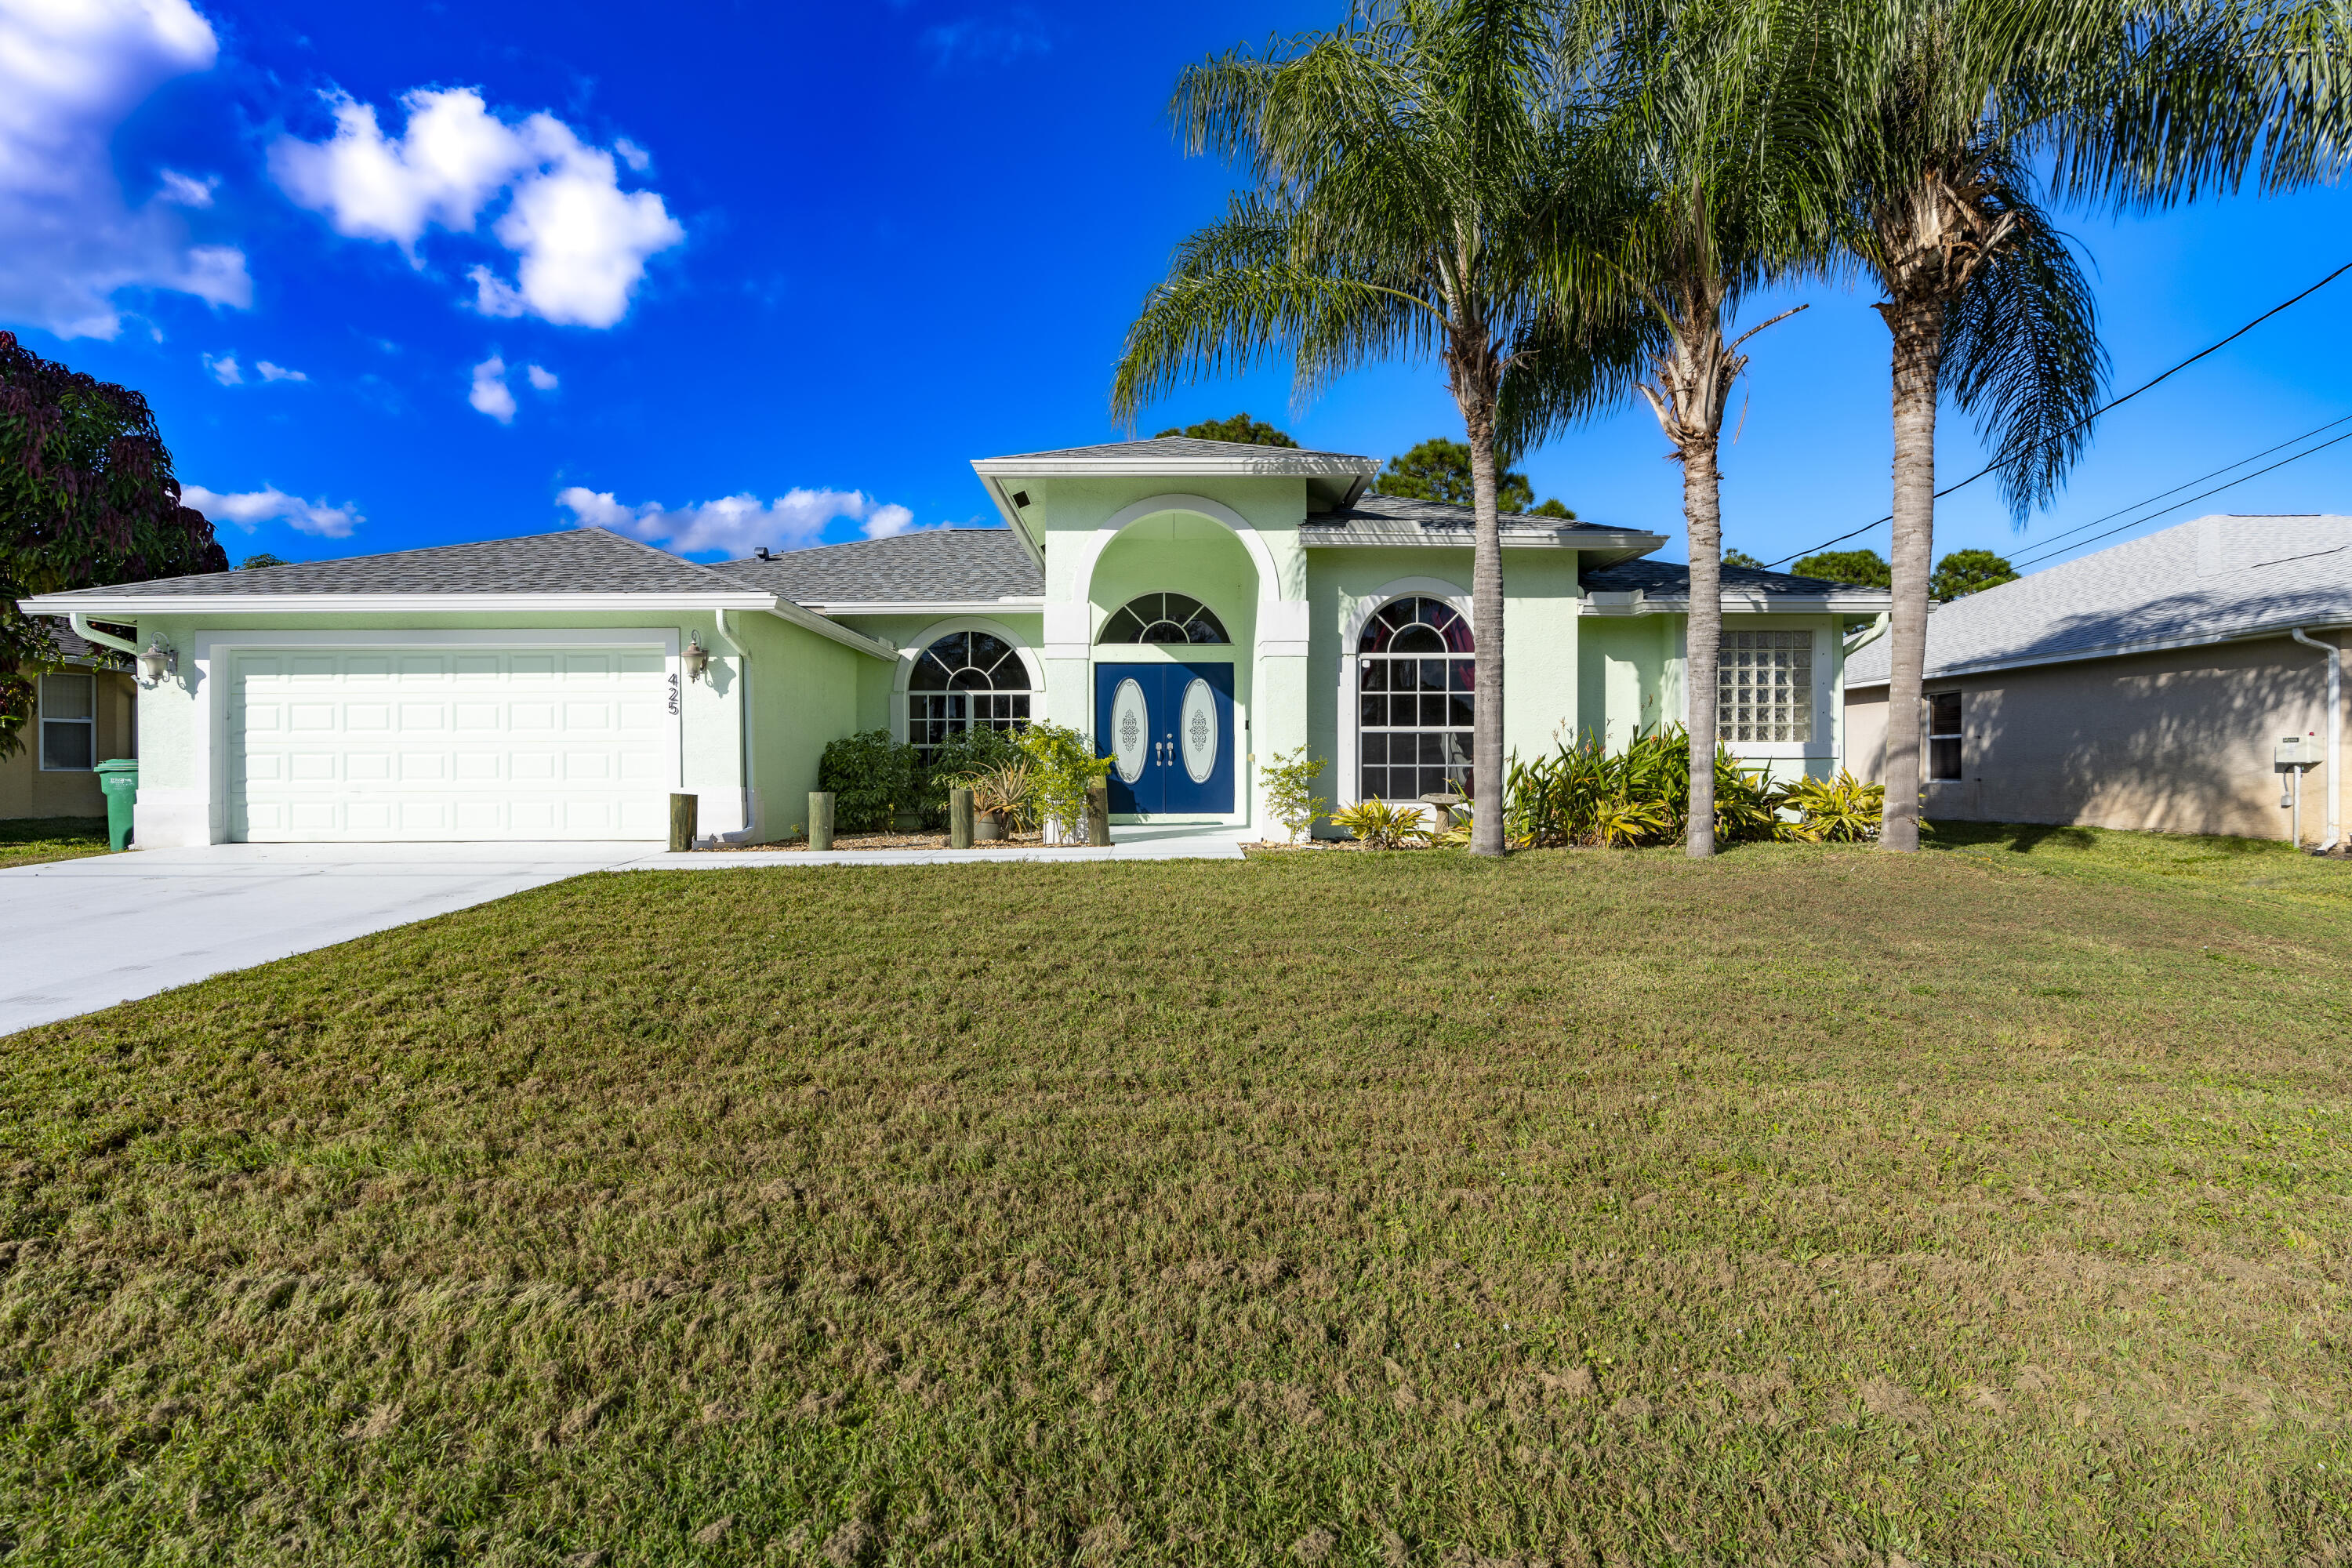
<point>1403,202</point>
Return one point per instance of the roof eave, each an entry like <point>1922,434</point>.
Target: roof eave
<point>1642,601</point>
<point>2115,650</point>
<point>96,602</point>
<point>1624,546</point>
<point>1178,468</point>
<point>926,607</point>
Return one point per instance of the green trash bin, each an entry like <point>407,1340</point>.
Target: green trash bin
<point>120,780</point>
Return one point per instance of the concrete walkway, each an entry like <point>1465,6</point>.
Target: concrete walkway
<point>83,935</point>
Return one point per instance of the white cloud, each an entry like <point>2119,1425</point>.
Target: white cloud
<point>186,190</point>
<point>583,240</point>
<point>491,394</point>
<point>543,378</point>
<point>278,372</point>
<point>737,525</point>
<point>250,509</point>
<point>224,370</point>
<point>70,72</point>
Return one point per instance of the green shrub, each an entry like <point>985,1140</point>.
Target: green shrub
<point>961,758</point>
<point>871,777</point>
<point>1062,768</point>
<point>1585,793</point>
<point>1288,782</point>
<point>1379,824</point>
<point>1842,810</point>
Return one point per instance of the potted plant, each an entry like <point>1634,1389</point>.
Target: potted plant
<point>1000,801</point>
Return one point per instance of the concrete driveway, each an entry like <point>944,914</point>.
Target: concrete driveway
<point>78,935</point>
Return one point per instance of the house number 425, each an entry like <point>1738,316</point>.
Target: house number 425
<point>672,694</point>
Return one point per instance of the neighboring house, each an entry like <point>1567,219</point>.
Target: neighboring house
<point>85,712</point>
<point>1194,605</point>
<point>2147,686</point>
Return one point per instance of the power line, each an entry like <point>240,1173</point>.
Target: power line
<point>2042,544</point>
<point>2193,501</point>
<point>2093,414</point>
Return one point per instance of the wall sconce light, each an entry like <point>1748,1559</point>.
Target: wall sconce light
<point>696,659</point>
<point>158,664</point>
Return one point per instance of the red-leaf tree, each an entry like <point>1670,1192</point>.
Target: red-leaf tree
<point>86,498</point>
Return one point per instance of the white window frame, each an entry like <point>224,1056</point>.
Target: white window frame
<point>1929,735</point>
<point>1346,752</point>
<point>1826,717</point>
<point>89,722</point>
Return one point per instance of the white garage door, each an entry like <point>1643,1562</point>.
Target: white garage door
<point>417,744</point>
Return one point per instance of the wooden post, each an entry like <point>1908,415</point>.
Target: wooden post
<point>1099,813</point>
<point>682,813</point>
<point>958,819</point>
<point>820,819</point>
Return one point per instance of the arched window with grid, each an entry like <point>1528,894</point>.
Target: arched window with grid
<point>1415,701</point>
<point>962,679</point>
<point>1164,617</point>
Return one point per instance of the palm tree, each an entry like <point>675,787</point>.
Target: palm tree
<point>1720,139</point>
<point>1402,204</point>
<point>1953,103</point>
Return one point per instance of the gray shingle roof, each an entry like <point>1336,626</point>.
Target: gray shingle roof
<point>1671,579</point>
<point>1187,448</point>
<point>575,561</point>
<point>1376,518</point>
<point>944,566</point>
<point>2201,580</point>
<point>73,647</point>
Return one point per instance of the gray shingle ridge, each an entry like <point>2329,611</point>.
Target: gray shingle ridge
<point>1671,577</point>
<point>932,566</point>
<point>564,561</point>
<point>1184,447</point>
<point>1439,514</point>
<point>2205,580</point>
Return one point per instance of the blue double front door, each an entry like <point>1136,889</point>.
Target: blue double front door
<point>1168,729</point>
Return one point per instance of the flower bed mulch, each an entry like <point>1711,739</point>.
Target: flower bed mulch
<point>893,841</point>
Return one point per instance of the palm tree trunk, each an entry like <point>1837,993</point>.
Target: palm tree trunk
<point>1476,394</point>
<point>1917,322</point>
<point>1703,512</point>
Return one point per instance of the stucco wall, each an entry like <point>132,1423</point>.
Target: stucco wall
<point>27,790</point>
<point>2179,741</point>
<point>804,690</point>
<point>179,781</point>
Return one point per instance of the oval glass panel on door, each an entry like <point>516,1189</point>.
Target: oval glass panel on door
<point>1130,731</point>
<point>1196,731</point>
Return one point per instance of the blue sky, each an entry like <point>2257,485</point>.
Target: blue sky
<point>397,274</point>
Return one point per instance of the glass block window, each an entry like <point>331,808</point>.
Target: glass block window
<point>1765,687</point>
<point>1944,735</point>
<point>1164,617</point>
<point>69,722</point>
<point>962,679</point>
<point>1416,690</point>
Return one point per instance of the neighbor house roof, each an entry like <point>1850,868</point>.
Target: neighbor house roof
<point>74,649</point>
<point>1636,587</point>
<point>577,568</point>
<point>933,568</point>
<point>2207,581</point>
<point>1406,519</point>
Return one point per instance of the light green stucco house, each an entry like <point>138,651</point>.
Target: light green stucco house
<point>1194,605</point>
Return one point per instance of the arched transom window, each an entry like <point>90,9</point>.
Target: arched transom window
<point>1416,702</point>
<point>962,679</point>
<point>1164,617</point>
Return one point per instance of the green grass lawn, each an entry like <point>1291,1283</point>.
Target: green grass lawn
<point>30,840</point>
<point>1814,1205</point>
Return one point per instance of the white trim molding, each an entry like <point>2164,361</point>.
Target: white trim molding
<point>115,606</point>
<point>1032,660</point>
<point>1346,746</point>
